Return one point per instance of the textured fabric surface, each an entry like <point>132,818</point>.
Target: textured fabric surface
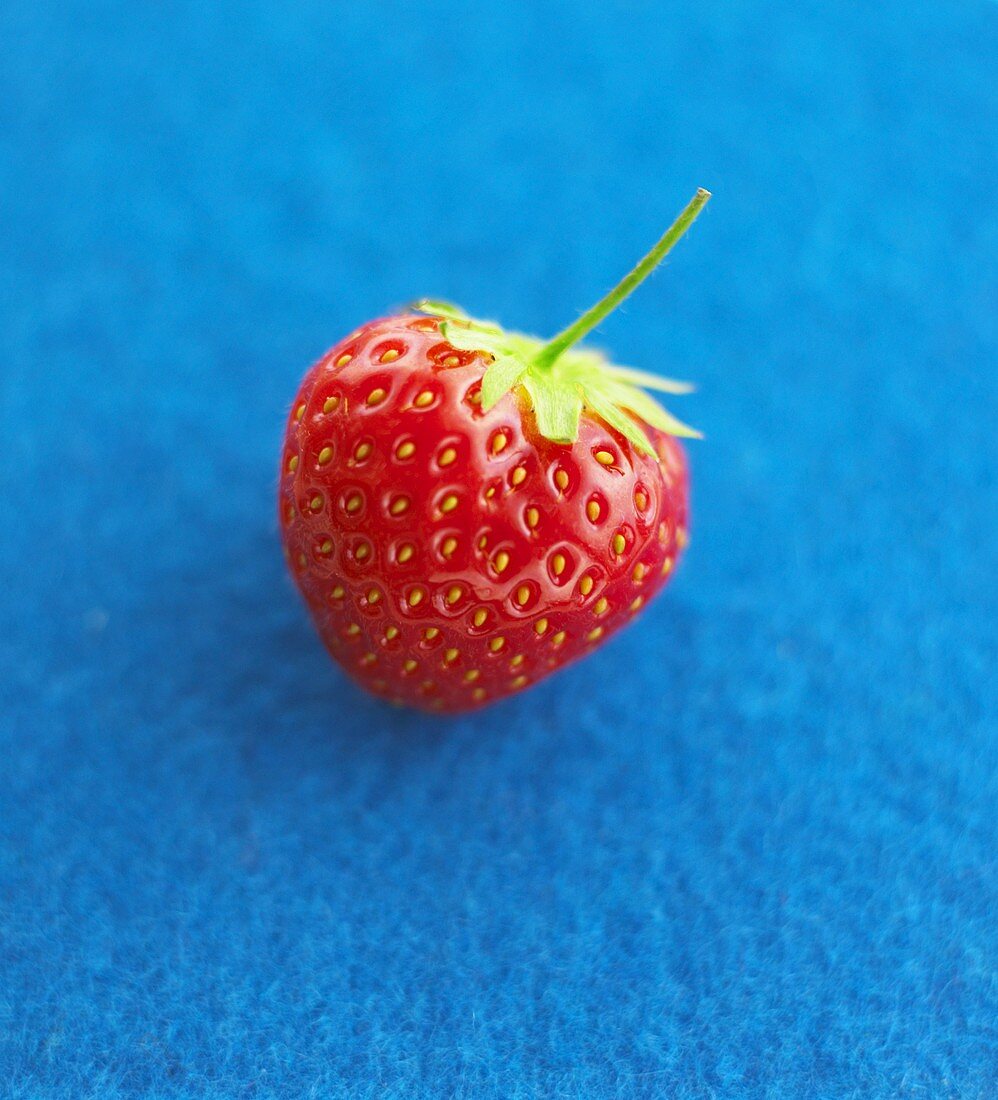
<point>748,849</point>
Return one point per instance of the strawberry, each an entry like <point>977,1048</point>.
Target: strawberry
<point>466,510</point>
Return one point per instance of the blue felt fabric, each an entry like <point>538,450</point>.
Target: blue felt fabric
<point>747,850</point>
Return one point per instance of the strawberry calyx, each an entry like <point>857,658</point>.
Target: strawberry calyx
<point>561,379</point>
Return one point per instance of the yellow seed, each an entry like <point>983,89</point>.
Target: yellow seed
<point>376,396</point>
<point>343,360</point>
<point>490,492</point>
<point>373,595</point>
<point>638,573</point>
<point>416,597</point>
<point>480,616</point>
<point>599,608</point>
<point>517,660</point>
<point>361,451</point>
<point>362,552</point>
<point>472,675</point>
<point>411,665</point>
<point>595,634</point>
<point>430,633</point>
<point>518,476</point>
<point>354,502</point>
<point>451,654</point>
<point>391,633</point>
<point>451,361</point>
<point>368,659</point>
<point>453,594</point>
<point>390,356</point>
<point>338,592</point>
<point>353,629</point>
<point>330,404</point>
<point>290,513</point>
<point>325,455</point>
<point>404,553</point>
<point>619,543</point>
<point>663,533</point>
<point>476,397</point>
<point>326,547</point>
<point>558,638</point>
<point>301,559</point>
<point>478,693</point>
<point>399,505</point>
<point>315,503</point>
<point>448,546</point>
<point>681,537</point>
<point>499,442</point>
<point>641,500</point>
<point>637,602</point>
<point>558,564</point>
<point>449,503</point>
<point>447,456</point>
<point>666,566</point>
<point>518,682</point>
<point>593,511</point>
<point>540,626</point>
<point>561,479</point>
<point>423,399</point>
<point>522,594</point>
<point>604,458</point>
<point>586,585</point>
<point>532,516</point>
<point>483,542</point>
<point>496,644</point>
<point>405,450</point>
<point>300,411</point>
<point>500,561</point>
<point>292,464</point>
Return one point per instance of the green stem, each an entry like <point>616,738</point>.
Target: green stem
<point>592,317</point>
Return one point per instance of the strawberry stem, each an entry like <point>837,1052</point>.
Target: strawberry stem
<point>606,305</point>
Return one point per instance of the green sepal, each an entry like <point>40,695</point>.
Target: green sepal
<point>557,405</point>
<point>619,420</point>
<point>648,409</point>
<point>439,309</point>
<point>499,378</point>
<point>475,336</point>
<point>650,381</point>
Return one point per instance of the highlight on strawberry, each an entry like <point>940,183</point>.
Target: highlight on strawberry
<point>467,509</point>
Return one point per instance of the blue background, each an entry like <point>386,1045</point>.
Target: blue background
<point>748,849</point>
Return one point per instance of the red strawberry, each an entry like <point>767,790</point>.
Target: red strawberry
<point>466,510</point>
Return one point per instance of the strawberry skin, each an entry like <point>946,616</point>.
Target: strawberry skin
<point>451,556</point>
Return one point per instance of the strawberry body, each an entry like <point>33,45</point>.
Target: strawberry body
<point>449,555</point>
